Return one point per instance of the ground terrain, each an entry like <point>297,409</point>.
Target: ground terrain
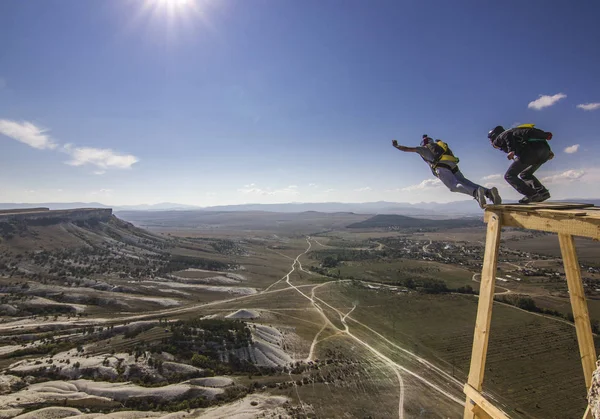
<point>281,315</point>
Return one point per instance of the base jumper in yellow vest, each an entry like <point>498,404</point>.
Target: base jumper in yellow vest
<point>444,166</point>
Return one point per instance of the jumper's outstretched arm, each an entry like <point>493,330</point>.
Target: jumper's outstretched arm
<point>404,148</point>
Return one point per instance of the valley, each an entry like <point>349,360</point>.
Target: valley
<point>292,315</point>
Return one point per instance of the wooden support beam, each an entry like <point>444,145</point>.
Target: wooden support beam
<point>583,328</point>
<point>481,404</point>
<point>484,309</point>
<point>551,221</point>
<point>588,413</point>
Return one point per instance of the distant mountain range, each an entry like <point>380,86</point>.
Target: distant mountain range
<point>423,209</point>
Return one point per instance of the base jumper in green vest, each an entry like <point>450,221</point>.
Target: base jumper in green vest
<point>528,148</point>
<point>444,166</point>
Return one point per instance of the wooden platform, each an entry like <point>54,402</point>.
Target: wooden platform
<point>561,217</point>
<point>566,219</point>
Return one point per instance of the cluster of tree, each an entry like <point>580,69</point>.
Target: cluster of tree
<point>186,401</point>
<point>332,257</point>
<point>180,262</point>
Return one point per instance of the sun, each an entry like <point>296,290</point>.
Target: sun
<point>175,3</point>
<point>173,18</point>
<point>172,5</point>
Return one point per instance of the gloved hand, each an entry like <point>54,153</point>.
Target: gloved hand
<point>395,143</point>
<point>551,156</point>
<point>549,136</point>
<point>511,155</point>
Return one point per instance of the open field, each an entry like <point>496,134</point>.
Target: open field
<point>382,333</point>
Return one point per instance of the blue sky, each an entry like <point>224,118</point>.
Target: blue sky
<point>226,101</point>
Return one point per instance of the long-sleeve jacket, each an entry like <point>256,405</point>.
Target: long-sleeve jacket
<point>520,139</point>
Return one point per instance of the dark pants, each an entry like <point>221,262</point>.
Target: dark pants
<point>520,174</point>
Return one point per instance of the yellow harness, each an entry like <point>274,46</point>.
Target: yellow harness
<point>447,156</point>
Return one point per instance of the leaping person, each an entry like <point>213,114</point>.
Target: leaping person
<point>444,166</point>
<point>528,148</point>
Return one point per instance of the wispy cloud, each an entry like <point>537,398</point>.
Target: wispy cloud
<point>313,185</point>
<point>589,106</point>
<point>27,133</point>
<point>102,192</point>
<point>564,177</point>
<point>492,177</point>
<point>99,172</point>
<point>103,158</point>
<point>255,190</point>
<point>572,149</point>
<point>426,184</point>
<point>329,190</point>
<point>545,101</point>
<point>365,189</point>
<point>36,137</point>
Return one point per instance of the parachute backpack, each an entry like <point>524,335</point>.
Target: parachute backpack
<point>441,153</point>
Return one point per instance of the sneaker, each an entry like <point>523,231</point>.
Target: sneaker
<point>541,196</point>
<point>538,197</point>
<point>480,197</point>
<point>527,199</point>
<point>494,196</point>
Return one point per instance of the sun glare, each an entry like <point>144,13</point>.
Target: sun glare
<point>177,14</point>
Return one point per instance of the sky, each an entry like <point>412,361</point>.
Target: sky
<point>215,102</point>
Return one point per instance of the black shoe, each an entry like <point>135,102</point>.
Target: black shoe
<point>526,199</point>
<point>541,196</point>
<point>538,197</point>
<point>494,196</point>
<point>480,197</point>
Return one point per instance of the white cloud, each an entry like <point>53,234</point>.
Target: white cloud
<point>572,149</point>
<point>564,177</point>
<point>589,106</point>
<point>102,158</point>
<point>329,190</point>
<point>365,189</point>
<point>544,101</point>
<point>99,172</point>
<point>313,185</point>
<point>102,192</point>
<point>27,133</point>
<point>426,184</point>
<point>492,177</point>
<point>255,190</point>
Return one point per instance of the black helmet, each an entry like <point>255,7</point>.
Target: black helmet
<point>426,140</point>
<point>495,132</point>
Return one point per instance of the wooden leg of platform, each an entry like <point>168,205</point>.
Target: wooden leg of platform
<point>579,306</point>
<point>588,413</point>
<point>484,310</point>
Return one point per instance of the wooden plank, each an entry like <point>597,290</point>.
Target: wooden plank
<point>588,413</point>
<point>541,205</point>
<point>587,350</point>
<point>484,308</point>
<point>583,226</point>
<point>480,413</point>
<point>563,213</point>
<point>481,402</point>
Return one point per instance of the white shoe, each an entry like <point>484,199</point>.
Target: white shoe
<point>480,197</point>
<point>495,196</point>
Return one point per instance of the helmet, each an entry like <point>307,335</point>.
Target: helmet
<point>426,140</point>
<point>495,132</point>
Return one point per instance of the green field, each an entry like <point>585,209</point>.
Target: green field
<point>533,361</point>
